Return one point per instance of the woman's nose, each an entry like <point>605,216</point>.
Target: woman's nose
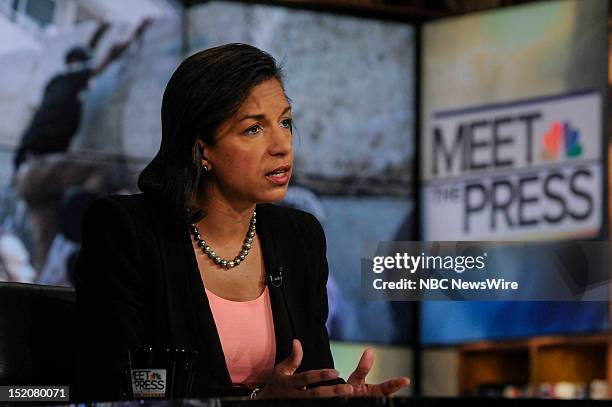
<point>281,142</point>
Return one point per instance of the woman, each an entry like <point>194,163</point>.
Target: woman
<point>199,260</point>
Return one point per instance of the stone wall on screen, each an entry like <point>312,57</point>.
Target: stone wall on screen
<point>350,81</point>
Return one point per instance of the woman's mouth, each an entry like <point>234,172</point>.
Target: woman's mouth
<point>279,176</point>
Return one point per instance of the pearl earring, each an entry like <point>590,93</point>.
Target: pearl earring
<point>205,168</point>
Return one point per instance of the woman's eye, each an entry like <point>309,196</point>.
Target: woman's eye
<point>251,131</point>
<point>287,123</point>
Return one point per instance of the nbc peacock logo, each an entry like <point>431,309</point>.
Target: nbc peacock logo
<point>561,136</point>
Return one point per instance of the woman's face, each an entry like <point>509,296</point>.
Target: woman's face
<point>250,161</point>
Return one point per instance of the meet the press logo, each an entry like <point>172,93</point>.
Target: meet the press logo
<point>527,168</point>
<point>149,383</point>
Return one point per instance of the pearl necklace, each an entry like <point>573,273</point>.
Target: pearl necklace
<point>227,264</point>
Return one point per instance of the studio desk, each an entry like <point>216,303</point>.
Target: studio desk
<point>359,402</point>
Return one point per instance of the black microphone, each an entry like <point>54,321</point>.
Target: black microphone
<point>276,278</point>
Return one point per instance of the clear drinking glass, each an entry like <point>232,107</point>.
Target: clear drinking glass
<point>160,373</point>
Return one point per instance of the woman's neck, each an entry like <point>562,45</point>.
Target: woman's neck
<point>224,221</point>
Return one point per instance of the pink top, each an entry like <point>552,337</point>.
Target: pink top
<point>246,330</point>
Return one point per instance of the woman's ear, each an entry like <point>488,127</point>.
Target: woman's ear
<point>200,153</point>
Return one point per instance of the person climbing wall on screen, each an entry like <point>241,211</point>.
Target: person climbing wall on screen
<point>42,168</point>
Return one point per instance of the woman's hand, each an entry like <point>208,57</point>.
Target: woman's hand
<point>361,388</point>
<point>283,383</point>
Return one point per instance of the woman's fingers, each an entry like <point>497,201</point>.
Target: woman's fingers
<point>289,365</point>
<point>303,379</point>
<point>357,378</point>
<point>330,391</point>
<point>391,386</point>
<point>286,383</point>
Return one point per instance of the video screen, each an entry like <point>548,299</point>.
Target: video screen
<point>513,147</point>
<point>351,81</point>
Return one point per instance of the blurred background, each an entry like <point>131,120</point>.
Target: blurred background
<point>386,94</point>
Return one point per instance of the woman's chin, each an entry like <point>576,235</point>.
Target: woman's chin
<point>274,196</point>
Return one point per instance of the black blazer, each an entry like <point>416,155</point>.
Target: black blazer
<point>137,284</point>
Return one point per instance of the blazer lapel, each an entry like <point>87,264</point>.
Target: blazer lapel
<point>273,260</point>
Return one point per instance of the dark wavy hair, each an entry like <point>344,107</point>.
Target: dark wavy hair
<point>205,90</point>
